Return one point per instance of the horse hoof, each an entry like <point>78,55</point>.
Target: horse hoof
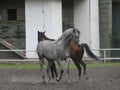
<point>52,81</point>
<point>57,79</point>
<point>86,77</point>
<point>48,81</point>
<point>78,78</point>
<point>69,81</point>
<point>75,80</point>
<point>43,82</point>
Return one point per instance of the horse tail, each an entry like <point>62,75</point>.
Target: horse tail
<point>89,52</point>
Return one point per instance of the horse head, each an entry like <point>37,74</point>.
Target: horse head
<point>40,36</point>
<point>76,36</point>
<point>73,35</point>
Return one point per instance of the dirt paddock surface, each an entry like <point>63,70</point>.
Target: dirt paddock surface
<point>99,78</point>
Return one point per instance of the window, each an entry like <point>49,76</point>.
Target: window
<point>20,14</point>
<point>12,14</point>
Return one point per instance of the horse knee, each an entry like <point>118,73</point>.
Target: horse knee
<point>62,71</point>
<point>67,70</point>
<point>83,64</point>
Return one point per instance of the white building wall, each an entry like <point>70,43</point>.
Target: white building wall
<point>82,19</point>
<point>86,19</point>
<point>52,18</point>
<point>46,15</point>
<point>94,25</point>
<point>42,15</point>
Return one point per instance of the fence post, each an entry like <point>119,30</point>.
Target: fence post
<point>104,56</point>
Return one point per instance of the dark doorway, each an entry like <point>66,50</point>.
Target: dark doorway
<point>116,28</point>
<point>67,13</point>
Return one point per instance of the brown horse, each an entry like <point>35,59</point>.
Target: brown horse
<point>76,54</point>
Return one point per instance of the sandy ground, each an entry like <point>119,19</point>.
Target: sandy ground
<point>99,78</point>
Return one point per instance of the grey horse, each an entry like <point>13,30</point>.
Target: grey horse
<point>56,50</point>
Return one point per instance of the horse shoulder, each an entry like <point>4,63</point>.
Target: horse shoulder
<point>75,50</point>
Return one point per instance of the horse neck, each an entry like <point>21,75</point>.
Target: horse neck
<point>65,39</point>
<point>40,39</point>
<point>63,42</point>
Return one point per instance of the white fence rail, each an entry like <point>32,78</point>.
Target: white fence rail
<point>105,50</point>
<point>103,57</point>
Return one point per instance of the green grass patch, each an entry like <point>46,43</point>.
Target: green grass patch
<point>101,64</point>
<point>37,66</point>
<point>104,64</point>
<point>20,66</point>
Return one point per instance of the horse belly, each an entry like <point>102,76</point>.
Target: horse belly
<point>47,50</point>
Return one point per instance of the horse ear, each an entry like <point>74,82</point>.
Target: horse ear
<point>38,32</point>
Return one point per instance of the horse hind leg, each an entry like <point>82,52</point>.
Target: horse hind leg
<point>84,67</point>
<point>48,71</point>
<point>79,69</point>
<point>54,71</point>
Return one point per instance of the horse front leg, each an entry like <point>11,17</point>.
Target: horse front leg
<point>67,68</point>
<point>42,68</point>
<point>48,70</point>
<point>61,69</point>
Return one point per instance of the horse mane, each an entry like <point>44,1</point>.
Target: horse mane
<point>67,30</point>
